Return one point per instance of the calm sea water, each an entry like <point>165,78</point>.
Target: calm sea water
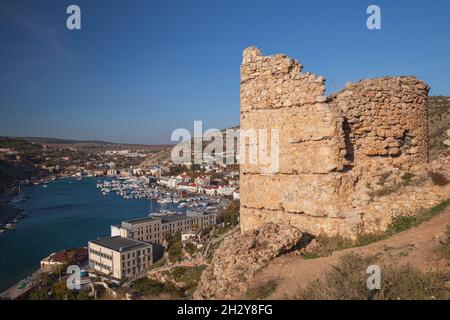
<point>61,216</point>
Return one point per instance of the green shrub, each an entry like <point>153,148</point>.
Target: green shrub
<point>407,177</point>
<point>40,294</point>
<point>190,248</point>
<point>231,213</point>
<point>148,286</point>
<point>329,244</point>
<point>404,222</point>
<point>368,238</point>
<point>83,295</point>
<point>398,224</point>
<point>401,223</point>
<point>60,291</point>
<point>261,291</point>
<point>174,247</point>
<point>310,255</point>
<point>189,277</point>
<point>437,209</point>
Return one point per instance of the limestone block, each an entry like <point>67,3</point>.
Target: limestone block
<point>316,195</point>
<point>253,218</point>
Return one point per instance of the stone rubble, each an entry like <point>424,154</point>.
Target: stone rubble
<point>241,255</point>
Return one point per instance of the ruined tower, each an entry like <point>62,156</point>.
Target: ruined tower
<point>323,141</point>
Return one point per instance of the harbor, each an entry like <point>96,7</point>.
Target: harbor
<point>141,188</point>
<point>66,214</point>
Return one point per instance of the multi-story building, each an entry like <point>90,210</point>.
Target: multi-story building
<point>202,181</point>
<point>188,187</point>
<point>118,257</point>
<point>225,190</point>
<point>153,230</point>
<point>144,229</point>
<point>209,190</point>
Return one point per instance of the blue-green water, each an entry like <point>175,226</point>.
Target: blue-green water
<point>61,216</point>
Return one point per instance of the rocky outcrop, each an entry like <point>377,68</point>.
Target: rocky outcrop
<point>447,141</point>
<point>241,255</point>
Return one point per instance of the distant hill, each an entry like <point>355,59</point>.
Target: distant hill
<point>43,140</point>
<point>165,153</point>
<point>438,123</point>
<point>91,144</point>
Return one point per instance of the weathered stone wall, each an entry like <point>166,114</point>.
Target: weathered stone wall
<point>386,117</point>
<point>275,94</point>
<point>324,142</point>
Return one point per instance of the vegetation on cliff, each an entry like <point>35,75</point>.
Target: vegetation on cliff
<point>347,281</point>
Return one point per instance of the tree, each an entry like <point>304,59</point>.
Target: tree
<point>40,294</point>
<point>174,246</point>
<point>83,295</point>
<point>61,291</point>
<point>231,213</point>
<point>148,286</point>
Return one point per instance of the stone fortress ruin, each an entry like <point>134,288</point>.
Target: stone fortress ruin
<point>331,148</point>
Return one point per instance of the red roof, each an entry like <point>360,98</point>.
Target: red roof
<point>69,254</point>
<point>209,187</point>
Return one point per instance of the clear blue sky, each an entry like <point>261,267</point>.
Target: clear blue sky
<point>139,69</point>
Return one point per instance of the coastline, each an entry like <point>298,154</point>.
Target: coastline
<point>64,215</point>
<point>10,213</point>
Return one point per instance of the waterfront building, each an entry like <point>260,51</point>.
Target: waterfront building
<point>153,229</point>
<point>225,190</point>
<point>119,258</point>
<point>209,190</point>
<point>188,187</point>
<point>143,229</point>
<point>112,172</point>
<point>168,182</point>
<point>77,256</point>
<point>183,178</point>
<point>202,181</point>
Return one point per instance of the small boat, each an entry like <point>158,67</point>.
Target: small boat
<point>10,226</point>
<point>44,186</point>
<point>164,201</point>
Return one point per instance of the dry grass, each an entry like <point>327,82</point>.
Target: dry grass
<point>261,291</point>
<point>347,281</point>
<point>438,178</point>
<point>399,224</point>
<point>443,250</point>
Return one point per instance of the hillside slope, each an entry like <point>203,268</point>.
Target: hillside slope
<point>416,247</point>
<point>438,123</point>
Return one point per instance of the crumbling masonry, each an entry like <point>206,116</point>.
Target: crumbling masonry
<point>326,143</point>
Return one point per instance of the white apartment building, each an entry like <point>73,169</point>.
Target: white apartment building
<point>225,191</point>
<point>119,258</point>
<point>153,230</point>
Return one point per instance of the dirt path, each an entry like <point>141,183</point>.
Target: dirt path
<point>415,247</point>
